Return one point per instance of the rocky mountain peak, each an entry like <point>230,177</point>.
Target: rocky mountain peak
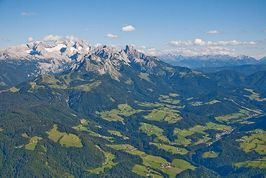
<point>55,55</point>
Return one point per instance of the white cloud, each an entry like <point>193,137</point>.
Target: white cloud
<point>198,50</point>
<point>152,52</point>
<point>213,32</point>
<point>199,46</point>
<point>230,43</point>
<point>147,50</point>
<point>199,41</point>
<point>196,41</point>
<point>128,28</point>
<point>30,39</point>
<point>181,43</point>
<point>27,13</point>
<point>110,35</point>
<point>51,37</point>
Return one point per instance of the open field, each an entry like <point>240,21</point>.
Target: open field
<point>242,114</point>
<point>213,102</point>
<point>64,83</point>
<point>13,89</point>
<point>53,82</point>
<point>155,162</point>
<point>169,99</point>
<point>163,110</point>
<point>145,171</point>
<point>254,96</point>
<point>118,134</point>
<point>171,149</point>
<point>150,130</point>
<point>149,105</point>
<point>33,143</point>
<point>164,114</point>
<point>116,115</point>
<point>210,154</point>
<point>82,128</point>
<point>257,163</point>
<point>166,110</point>
<point>200,103</point>
<point>254,141</point>
<point>65,139</point>
<point>183,134</point>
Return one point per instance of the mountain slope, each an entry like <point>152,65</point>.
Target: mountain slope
<point>242,69</point>
<point>26,61</point>
<point>120,113</point>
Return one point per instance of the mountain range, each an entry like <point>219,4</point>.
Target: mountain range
<point>21,62</point>
<point>207,61</point>
<point>68,109</point>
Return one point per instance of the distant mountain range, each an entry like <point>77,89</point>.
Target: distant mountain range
<point>207,61</point>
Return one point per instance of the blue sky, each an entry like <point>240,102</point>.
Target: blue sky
<point>188,27</point>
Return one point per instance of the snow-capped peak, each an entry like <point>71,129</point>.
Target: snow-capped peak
<point>52,54</point>
<point>61,49</point>
<point>56,54</point>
